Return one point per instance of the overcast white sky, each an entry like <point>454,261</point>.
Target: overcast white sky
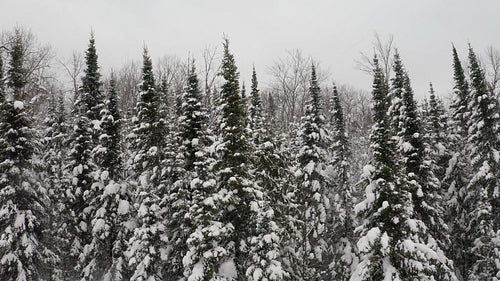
<point>332,32</point>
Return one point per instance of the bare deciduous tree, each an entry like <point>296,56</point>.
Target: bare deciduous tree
<point>492,69</point>
<point>290,83</point>
<point>73,67</point>
<point>128,78</point>
<point>384,50</point>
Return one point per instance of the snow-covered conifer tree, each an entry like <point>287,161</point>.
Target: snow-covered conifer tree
<point>437,135</point>
<point>54,155</point>
<point>311,192</point>
<point>147,247</point>
<point>82,166</point>
<point>483,191</point>
<point>23,249</point>
<point>191,139</point>
<point>394,243</point>
<point>458,171</point>
<point>244,241</point>
<point>341,234</point>
<point>103,258</point>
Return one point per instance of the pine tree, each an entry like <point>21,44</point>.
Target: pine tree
<point>394,244</point>
<point>148,243</point>
<point>25,255</point>
<point>483,191</point>
<point>342,230</point>
<point>311,190</point>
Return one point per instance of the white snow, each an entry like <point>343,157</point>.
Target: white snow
<point>98,225</point>
<point>228,270</point>
<point>309,168</point>
<point>123,207</point>
<point>197,272</point>
<point>19,222</point>
<point>406,146</point>
<point>18,104</point>
<point>368,240</point>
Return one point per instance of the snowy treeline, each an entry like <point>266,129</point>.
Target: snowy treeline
<point>205,184</point>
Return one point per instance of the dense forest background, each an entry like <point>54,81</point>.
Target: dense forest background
<point>176,169</point>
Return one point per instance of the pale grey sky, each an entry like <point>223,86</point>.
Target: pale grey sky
<point>260,31</point>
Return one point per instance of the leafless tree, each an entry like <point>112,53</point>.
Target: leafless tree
<point>492,66</point>
<point>290,83</point>
<point>174,70</point>
<point>211,67</point>
<point>73,68</point>
<point>384,50</point>
<point>128,78</point>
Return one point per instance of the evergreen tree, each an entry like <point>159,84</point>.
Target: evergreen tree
<point>55,152</point>
<point>483,195</point>
<point>396,94</point>
<point>148,243</point>
<point>16,73</point>
<point>342,230</point>
<point>82,166</point>
<point>2,82</point>
<point>437,135</point>
<point>244,240</point>
<point>91,84</point>
<point>103,258</point>
<point>460,104</point>
<point>312,188</point>
<point>272,171</point>
<point>191,138</point>
<point>424,186</point>
<point>25,255</point>
<point>394,245</point>
<point>458,172</point>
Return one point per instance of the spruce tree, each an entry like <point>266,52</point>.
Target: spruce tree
<point>396,93</point>
<point>483,196</point>
<point>394,243</point>
<point>191,138</point>
<point>2,82</point>
<point>25,255</point>
<point>311,190</point>
<point>458,172</point>
<point>91,84</point>
<point>54,156</point>
<point>342,231</point>
<point>82,166</point>
<point>104,257</point>
<point>460,103</point>
<point>272,171</point>
<point>437,135</point>
<point>16,73</point>
<point>148,243</point>
<point>247,239</point>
